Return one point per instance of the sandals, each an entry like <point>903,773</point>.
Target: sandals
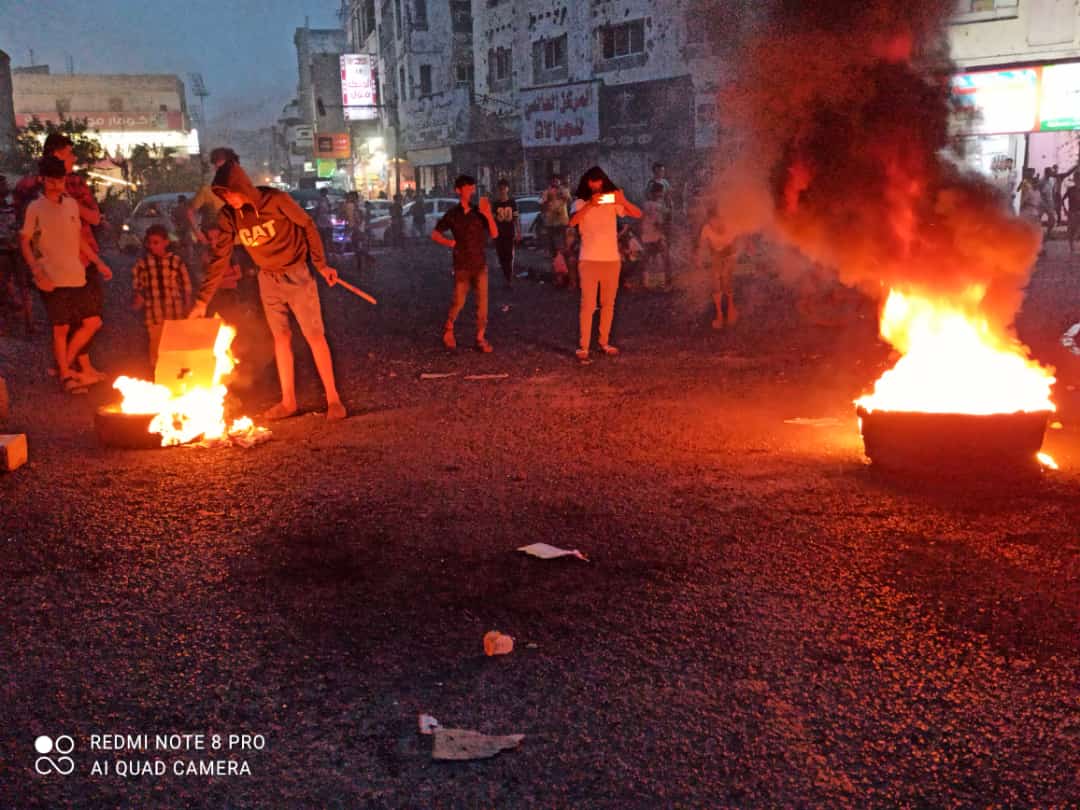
<point>483,346</point>
<point>279,411</point>
<point>73,385</point>
<point>609,350</point>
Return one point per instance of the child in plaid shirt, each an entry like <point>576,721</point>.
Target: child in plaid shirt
<point>161,285</point>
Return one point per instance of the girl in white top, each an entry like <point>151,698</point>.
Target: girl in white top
<point>597,208</point>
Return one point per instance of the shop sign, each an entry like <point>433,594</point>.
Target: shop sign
<point>563,115</point>
<point>325,168</point>
<point>997,101</point>
<point>358,94</point>
<point>646,115</point>
<point>1059,104</point>
<point>333,145</point>
<point>112,121</point>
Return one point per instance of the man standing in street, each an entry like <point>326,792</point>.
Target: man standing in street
<point>509,224</point>
<point>555,209</point>
<point>418,214</point>
<point>470,228</point>
<point>280,238</point>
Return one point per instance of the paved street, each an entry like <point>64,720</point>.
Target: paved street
<point>764,621</point>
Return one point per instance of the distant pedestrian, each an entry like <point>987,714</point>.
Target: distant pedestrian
<point>183,216</point>
<point>509,224</point>
<point>659,176</point>
<point>397,222</point>
<point>1072,211</point>
<point>470,228</point>
<point>719,249</point>
<point>323,221</point>
<point>14,280</point>
<point>57,253</point>
<point>418,214</point>
<point>654,233</point>
<point>160,286</point>
<point>597,209</point>
<point>281,239</point>
<point>555,214</point>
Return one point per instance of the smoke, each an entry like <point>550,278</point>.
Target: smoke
<point>838,114</point>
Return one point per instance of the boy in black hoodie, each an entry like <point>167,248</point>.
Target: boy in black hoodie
<point>280,238</point>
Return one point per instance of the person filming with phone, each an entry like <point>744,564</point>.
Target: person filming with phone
<point>597,209</point>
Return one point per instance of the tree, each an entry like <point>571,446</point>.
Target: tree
<point>157,171</point>
<point>30,138</point>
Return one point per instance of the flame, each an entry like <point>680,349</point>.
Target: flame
<point>1047,461</point>
<point>198,413</point>
<point>953,361</point>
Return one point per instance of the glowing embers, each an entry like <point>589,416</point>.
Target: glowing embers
<point>187,401</point>
<point>962,395</point>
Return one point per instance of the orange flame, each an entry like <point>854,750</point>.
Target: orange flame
<point>198,413</point>
<point>953,361</point>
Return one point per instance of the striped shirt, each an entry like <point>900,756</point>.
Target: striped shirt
<point>164,285</point>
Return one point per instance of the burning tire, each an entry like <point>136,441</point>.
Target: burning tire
<point>952,442</point>
<point>125,430</point>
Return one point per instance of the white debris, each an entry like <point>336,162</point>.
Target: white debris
<point>428,724</point>
<point>818,422</point>
<point>547,552</point>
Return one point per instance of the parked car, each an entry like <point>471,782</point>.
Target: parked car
<point>156,209</point>
<point>529,215</point>
<point>434,208</point>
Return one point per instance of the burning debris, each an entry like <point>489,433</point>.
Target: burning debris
<point>841,109</point>
<point>186,401</point>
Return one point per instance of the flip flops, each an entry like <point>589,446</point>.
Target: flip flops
<point>73,385</point>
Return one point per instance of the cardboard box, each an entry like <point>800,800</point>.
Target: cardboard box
<point>12,451</point>
<point>186,354</point>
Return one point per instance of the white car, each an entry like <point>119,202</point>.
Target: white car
<point>434,208</point>
<point>529,215</point>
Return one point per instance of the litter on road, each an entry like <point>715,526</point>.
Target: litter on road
<point>547,552</point>
<point>13,453</point>
<point>475,377</point>
<point>440,376</point>
<point>463,744</point>
<point>496,643</point>
<point>428,724</point>
<point>823,421</point>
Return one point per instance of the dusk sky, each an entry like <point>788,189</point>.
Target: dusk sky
<point>244,49</point>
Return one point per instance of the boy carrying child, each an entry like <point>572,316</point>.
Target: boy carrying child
<point>161,286</point>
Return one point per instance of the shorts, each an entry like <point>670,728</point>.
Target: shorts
<point>70,306</point>
<point>95,293</point>
<point>292,290</point>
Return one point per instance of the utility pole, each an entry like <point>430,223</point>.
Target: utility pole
<point>198,88</point>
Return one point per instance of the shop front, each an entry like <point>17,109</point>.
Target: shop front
<point>560,132</point>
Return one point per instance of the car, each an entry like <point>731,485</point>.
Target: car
<point>434,208</point>
<point>529,216</point>
<point>156,209</point>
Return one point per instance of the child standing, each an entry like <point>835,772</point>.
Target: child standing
<point>509,225</point>
<point>161,286</point>
<point>57,253</point>
<point>654,232</point>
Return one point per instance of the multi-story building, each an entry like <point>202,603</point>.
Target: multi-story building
<point>125,110</point>
<point>1019,82</point>
<point>318,99</point>
<point>523,88</point>
<point>7,109</point>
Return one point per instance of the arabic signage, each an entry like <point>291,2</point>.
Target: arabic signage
<point>563,115</point>
<point>333,145</point>
<point>358,94</point>
<point>1002,102</point>
<point>113,121</point>
<point>642,115</point>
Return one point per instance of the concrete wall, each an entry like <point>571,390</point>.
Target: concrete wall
<point>1017,31</point>
<point>311,42</point>
<point>137,93</point>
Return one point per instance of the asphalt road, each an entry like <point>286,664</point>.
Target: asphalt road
<point>764,620</point>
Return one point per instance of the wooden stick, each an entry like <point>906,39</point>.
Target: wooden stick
<point>355,290</point>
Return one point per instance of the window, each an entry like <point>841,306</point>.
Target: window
<point>420,14</point>
<point>425,80</point>
<point>461,16</point>
<point>401,84</point>
<point>501,64</point>
<point>116,105</point>
<point>464,74</point>
<point>555,53</point>
<point>623,39</point>
<point>63,106</point>
<point>369,17</point>
<point>980,10</point>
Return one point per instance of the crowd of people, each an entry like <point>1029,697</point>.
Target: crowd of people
<point>255,248</point>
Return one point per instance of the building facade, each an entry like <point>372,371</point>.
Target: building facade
<point>521,89</point>
<point>1018,85</point>
<point>318,114</point>
<point>125,110</point>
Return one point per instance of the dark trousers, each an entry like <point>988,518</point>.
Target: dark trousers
<point>504,249</point>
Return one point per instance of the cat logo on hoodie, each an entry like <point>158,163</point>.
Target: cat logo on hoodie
<point>260,234</point>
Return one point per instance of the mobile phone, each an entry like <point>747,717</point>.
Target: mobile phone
<point>607,199</point>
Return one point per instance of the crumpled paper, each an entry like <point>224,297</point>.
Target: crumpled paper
<point>547,552</point>
<point>464,744</point>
